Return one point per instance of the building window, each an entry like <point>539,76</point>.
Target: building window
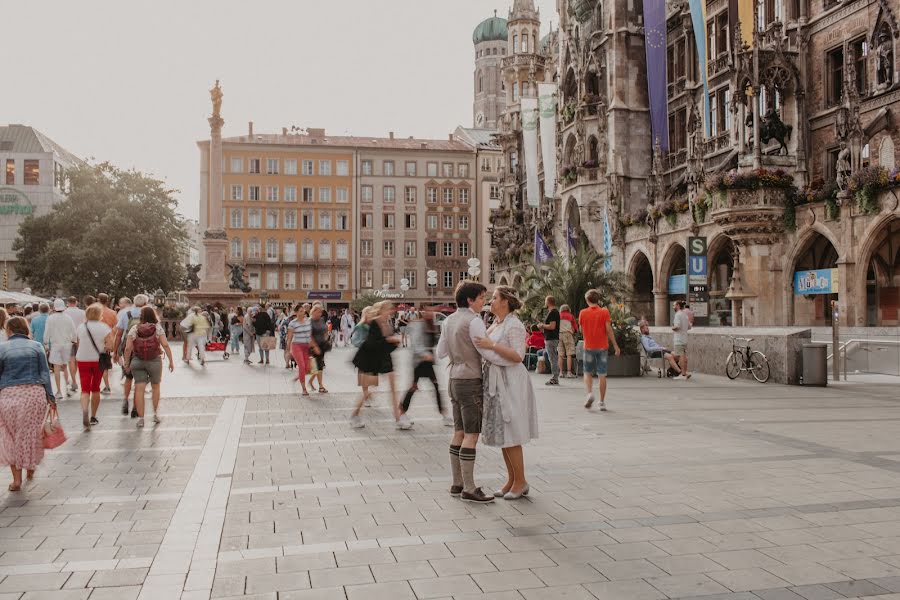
<point>342,250</point>
<point>678,130</point>
<point>290,219</point>
<point>324,194</point>
<point>271,219</point>
<point>676,61</point>
<point>448,195</point>
<point>324,280</point>
<point>308,250</point>
<point>410,275</point>
<point>272,166</point>
<point>342,280</point>
<point>447,249</point>
<point>324,250</point>
<point>32,172</point>
<point>464,249</point>
<point>448,221</point>
<point>10,171</point>
<point>387,278</point>
<point>342,195</point>
<point>409,249</point>
<point>464,222</point>
<point>493,274</point>
<point>432,222</point>
<point>366,167</point>
<point>366,221</point>
<point>410,169</point>
<point>254,192</point>
<point>365,247</point>
<point>448,279</point>
<point>254,248</point>
<point>272,193</point>
<point>306,220</point>
<point>343,168</point>
<point>271,250</point>
<point>290,251</point>
<point>464,196</point>
<point>515,45</point>
<point>388,250</point>
<point>366,280</point>
<point>389,194</point>
<point>495,192</point>
<point>524,42</point>
<point>253,280</point>
<point>237,248</point>
<point>463,170</point>
<point>308,194</point>
<point>389,221</point>
<point>236,165</point>
<point>253,166</point>
<point>409,221</point>
<point>237,218</point>
<point>486,165</point>
<point>410,195</point>
<point>325,167</point>
<point>432,195</point>
<point>431,250</point>
<point>515,92</point>
<point>307,167</point>
<point>290,166</point>
<point>431,169</point>
<point>306,280</point>
<point>462,276</point>
<point>342,221</point>
<point>835,79</point>
<point>447,169</point>
<point>290,279</point>
<point>366,193</point>
<point>254,218</point>
<point>387,168</point>
<point>237,192</point>
<point>290,193</point>
<point>860,50</point>
<point>325,220</point>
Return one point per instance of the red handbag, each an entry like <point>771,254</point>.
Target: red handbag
<point>54,436</point>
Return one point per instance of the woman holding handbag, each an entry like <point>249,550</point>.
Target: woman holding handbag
<point>94,340</point>
<point>25,391</point>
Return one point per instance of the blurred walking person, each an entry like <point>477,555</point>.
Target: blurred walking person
<point>200,326</point>
<point>236,330</point>
<point>374,358</point>
<point>299,338</point>
<point>263,327</point>
<point>143,356</point>
<point>59,338</point>
<point>423,333</point>
<point>77,316</point>
<point>129,316</point>
<point>321,346</point>
<point>93,337</point>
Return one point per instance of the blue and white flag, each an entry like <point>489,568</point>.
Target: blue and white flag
<point>607,244</point>
<point>542,252</point>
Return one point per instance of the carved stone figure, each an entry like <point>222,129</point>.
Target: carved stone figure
<point>773,128</point>
<point>237,279</point>
<point>884,57</point>
<point>216,95</point>
<point>192,277</point>
<point>843,167</point>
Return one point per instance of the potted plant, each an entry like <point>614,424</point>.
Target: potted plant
<point>628,363</point>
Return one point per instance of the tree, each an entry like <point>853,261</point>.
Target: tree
<point>358,304</point>
<point>117,232</point>
<point>568,280</point>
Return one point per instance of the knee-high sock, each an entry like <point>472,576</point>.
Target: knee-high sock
<point>455,469</point>
<point>467,464</point>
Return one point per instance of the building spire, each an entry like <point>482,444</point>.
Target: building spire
<point>523,9</point>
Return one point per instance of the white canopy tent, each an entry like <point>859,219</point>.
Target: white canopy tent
<point>7,297</point>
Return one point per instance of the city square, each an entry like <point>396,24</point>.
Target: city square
<point>522,300</point>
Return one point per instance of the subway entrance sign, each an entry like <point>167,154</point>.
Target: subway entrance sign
<point>698,273</point>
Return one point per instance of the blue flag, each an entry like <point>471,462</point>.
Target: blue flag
<point>570,237</point>
<point>655,47</point>
<point>542,251</point>
<point>607,244</point>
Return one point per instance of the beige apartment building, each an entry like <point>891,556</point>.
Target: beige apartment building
<point>416,211</point>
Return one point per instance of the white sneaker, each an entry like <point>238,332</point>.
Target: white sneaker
<point>156,419</point>
<point>106,391</point>
<point>140,422</point>
<point>590,401</point>
<point>368,404</point>
<point>58,396</point>
<point>448,421</point>
<point>677,377</point>
<point>404,422</point>
<point>356,422</point>
<point>68,392</point>
<point>602,405</point>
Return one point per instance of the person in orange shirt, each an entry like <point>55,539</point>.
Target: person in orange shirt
<point>109,317</point>
<point>596,327</point>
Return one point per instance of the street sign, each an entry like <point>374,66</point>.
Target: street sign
<point>698,267</point>
<point>698,299</point>
<point>819,281</point>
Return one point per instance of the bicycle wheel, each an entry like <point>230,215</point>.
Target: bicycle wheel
<point>759,366</point>
<point>733,365</point>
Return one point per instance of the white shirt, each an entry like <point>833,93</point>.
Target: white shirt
<point>76,314</point>
<point>59,330</point>
<point>99,330</point>
<point>476,330</point>
<point>683,322</point>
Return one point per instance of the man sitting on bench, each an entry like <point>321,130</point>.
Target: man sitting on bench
<point>654,350</point>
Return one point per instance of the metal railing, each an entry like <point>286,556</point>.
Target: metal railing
<point>842,350</point>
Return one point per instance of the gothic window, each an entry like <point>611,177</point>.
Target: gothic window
<point>860,53</point>
<point>480,82</point>
<point>515,43</point>
<point>594,151</point>
<point>835,76</point>
<point>524,42</point>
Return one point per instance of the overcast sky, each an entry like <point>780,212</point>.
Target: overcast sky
<point>128,81</point>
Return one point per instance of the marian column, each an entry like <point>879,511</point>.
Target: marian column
<point>215,241</point>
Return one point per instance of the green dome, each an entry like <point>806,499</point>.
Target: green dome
<point>490,30</point>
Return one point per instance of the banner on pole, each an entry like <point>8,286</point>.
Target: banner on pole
<point>530,141</point>
<point>547,108</point>
<point>542,252</point>
<point>655,49</point>
<point>698,19</point>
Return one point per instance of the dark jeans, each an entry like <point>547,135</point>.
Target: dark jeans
<point>424,369</point>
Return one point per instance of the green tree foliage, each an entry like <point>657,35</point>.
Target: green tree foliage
<point>358,304</point>
<point>117,232</point>
<point>569,280</point>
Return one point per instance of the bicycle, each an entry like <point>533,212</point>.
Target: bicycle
<point>742,359</point>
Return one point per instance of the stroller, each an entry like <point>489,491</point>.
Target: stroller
<point>219,344</point>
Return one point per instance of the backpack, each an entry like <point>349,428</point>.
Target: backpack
<point>359,335</point>
<point>146,343</point>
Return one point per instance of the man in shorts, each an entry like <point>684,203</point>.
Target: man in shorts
<point>128,318</point>
<point>59,338</point>
<point>109,317</point>
<point>77,316</point>
<point>596,327</point>
<point>681,325</point>
<point>457,341</point>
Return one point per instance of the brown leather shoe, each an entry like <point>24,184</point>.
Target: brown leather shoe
<point>456,490</point>
<point>477,496</point>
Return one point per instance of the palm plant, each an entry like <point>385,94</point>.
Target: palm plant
<point>568,280</point>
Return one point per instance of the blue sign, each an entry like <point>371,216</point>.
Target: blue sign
<point>677,285</point>
<point>818,281</point>
<point>697,269</point>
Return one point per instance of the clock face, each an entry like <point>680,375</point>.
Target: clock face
<point>479,118</point>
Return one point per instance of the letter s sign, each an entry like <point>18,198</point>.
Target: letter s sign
<point>697,246</point>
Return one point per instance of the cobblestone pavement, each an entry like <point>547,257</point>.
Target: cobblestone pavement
<point>705,488</point>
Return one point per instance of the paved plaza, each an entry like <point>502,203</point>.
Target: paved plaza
<point>705,488</point>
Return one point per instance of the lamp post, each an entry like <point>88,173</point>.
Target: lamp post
<point>263,296</point>
<point>159,298</point>
<point>404,286</point>
<point>171,299</point>
<point>474,268</point>
<point>432,283</point>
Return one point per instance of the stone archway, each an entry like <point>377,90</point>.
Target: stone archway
<point>572,222</point>
<point>815,252</point>
<point>883,276</point>
<point>721,269</point>
<point>641,272</point>
<point>673,264</point>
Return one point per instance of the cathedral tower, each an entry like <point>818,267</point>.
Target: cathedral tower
<point>490,40</point>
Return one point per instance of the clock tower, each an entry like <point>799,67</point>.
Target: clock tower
<point>490,40</point>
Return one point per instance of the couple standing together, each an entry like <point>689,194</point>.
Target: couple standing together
<point>493,400</point>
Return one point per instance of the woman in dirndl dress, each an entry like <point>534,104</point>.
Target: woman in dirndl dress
<point>510,410</point>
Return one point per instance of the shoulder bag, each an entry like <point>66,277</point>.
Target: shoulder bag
<point>104,358</point>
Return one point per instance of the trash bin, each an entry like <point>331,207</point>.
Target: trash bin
<point>815,364</point>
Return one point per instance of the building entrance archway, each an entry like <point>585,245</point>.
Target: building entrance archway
<point>642,298</point>
<point>721,270</point>
<point>883,277</point>
<point>818,254</point>
<point>674,277</point>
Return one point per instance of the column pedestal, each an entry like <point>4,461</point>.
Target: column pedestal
<point>661,308</point>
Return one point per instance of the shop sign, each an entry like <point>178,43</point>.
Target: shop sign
<point>389,295</point>
<point>14,202</point>
<point>324,295</point>
<point>677,285</point>
<point>818,281</point>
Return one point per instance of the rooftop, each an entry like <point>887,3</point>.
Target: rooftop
<point>28,140</point>
<point>317,137</point>
<point>481,138</point>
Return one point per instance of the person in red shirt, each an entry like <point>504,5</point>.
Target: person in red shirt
<point>596,327</point>
<point>536,339</point>
<point>568,327</point>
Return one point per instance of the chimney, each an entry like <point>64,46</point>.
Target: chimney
<point>391,135</point>
<point>250,127</point>
<point>451,137</point>
<point>316,132</point>
<point>284,131</point>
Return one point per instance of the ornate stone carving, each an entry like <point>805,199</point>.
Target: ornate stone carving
<point>216,95</point>
<point>191,279</point>
<point>237,279</point>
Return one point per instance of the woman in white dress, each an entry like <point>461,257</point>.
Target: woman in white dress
<point>510,412</point>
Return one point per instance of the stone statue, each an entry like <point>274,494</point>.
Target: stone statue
<point>237,279</point>
<point>773,128</point>
<point>216,95</point>
<point>192,277</point>
<point>843,167</point>
<point>884,57</point>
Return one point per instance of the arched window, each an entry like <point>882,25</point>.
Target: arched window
<point>237,248</point>
<point>253,248</point>
<point>515,43</point>
<point>271,249</point>
<point>515,92</point>
<point>342,250</point>
<point>480,82</point>
<point>309,250</point>
<point>290,251</point>
<point>524,42</point>
<point>325,250</point>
